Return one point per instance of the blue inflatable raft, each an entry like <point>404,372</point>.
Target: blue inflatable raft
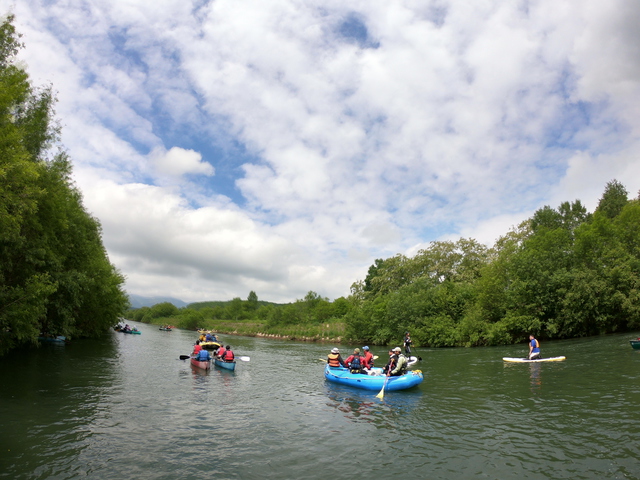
<point>373,382</point>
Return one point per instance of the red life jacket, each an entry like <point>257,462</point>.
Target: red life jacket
<point>228,356</point>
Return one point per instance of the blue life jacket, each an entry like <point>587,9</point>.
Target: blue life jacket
<point>203,355</point>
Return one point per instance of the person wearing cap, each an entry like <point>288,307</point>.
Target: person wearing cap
<point>367,359</point>
<point>400,367</point>
<point>407,343</point>
<point>354,362</point>
<point>334,359</point>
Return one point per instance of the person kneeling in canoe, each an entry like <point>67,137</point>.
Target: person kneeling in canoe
<point>355,363</point>
<point>334,359</point>
<point>228,355</point>
<point>400,367</point>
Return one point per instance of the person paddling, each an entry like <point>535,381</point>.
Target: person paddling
<point>228,355</point>
<point>407,344</point>
<point>400,367</point>
<point>534,348</point>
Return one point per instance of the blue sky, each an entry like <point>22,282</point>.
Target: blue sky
<point>283,146</point>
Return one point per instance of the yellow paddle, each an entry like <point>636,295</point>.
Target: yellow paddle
<point>381,394</point>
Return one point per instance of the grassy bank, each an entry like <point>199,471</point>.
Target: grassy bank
<point>325,332</point>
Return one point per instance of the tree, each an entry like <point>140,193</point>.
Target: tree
<point>55,276</point>
<point>252,301</point>
<point>614,198</point>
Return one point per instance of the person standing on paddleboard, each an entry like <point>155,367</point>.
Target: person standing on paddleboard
<point>534,348</point>
<point>407,344</point>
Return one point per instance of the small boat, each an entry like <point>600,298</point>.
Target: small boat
<point>535,360</point>
<point>205,365</point>
<point>132,332</point>
<point>373,382</point>
<point>166,329</point>
<point>210,345</point>
<point>226,365</point>
<point>51,339</point>
<point>635,344</point>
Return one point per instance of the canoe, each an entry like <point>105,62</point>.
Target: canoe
<point>226,365</point>
<point>373,382</point>
<point>165,329</point>
<point>535,360</point>
<point>635,344</point>
<point>206,365</point>
<point>132,332</point>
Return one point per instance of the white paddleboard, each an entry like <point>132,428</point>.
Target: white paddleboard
<point>535,360</point>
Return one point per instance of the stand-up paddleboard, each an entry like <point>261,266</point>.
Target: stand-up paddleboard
<point>535,360</point>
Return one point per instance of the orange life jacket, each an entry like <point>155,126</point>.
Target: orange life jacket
<point>333,359</point>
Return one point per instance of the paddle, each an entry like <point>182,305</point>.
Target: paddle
<point>381,394</point>
<point>244,359</point>
<point>185,357</point>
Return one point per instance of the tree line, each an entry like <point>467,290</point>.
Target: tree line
<point>563,273</point>
<point>55,276</point>
<point>310,311</point>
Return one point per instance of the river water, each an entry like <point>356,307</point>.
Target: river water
<point>126,407</point>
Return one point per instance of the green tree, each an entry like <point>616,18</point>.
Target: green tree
<point>252,301</point>
<point>55,277</point>
<point>613,200</point>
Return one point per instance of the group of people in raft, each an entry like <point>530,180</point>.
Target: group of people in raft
<point>221,353</point>
<point>356,363</point>
<point>398,363</point>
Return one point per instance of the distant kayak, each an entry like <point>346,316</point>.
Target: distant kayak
<point>535,360</point>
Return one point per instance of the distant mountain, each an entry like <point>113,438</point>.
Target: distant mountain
<point>138,301</point>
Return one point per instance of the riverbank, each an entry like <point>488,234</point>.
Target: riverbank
<point>332,332</point>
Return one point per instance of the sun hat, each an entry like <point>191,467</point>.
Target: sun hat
<point>365,348</point>
<point>357,350</point>
<point>335,350</point>
<point>397,349</point>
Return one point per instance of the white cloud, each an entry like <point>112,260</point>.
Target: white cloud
<point>432,121</point>
<point>177,162</point>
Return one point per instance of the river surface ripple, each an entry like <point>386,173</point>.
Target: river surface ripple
<point>126,407</point>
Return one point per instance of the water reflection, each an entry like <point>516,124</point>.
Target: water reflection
<point>535,371</point>
<point>364,406</point>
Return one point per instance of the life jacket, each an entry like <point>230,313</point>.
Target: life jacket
<point>203,355</point>
<point>402,361</point>
<point>356,366</point>
<point>333,359</point>
<point>228,356</point>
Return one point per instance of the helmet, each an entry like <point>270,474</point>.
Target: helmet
<point>365,348</point>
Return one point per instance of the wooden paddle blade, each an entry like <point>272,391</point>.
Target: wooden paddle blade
<point>323,360</point>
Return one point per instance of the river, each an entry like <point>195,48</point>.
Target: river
<point>126,407</point>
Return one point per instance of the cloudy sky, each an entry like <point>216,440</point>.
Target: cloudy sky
<point>282,146</point>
